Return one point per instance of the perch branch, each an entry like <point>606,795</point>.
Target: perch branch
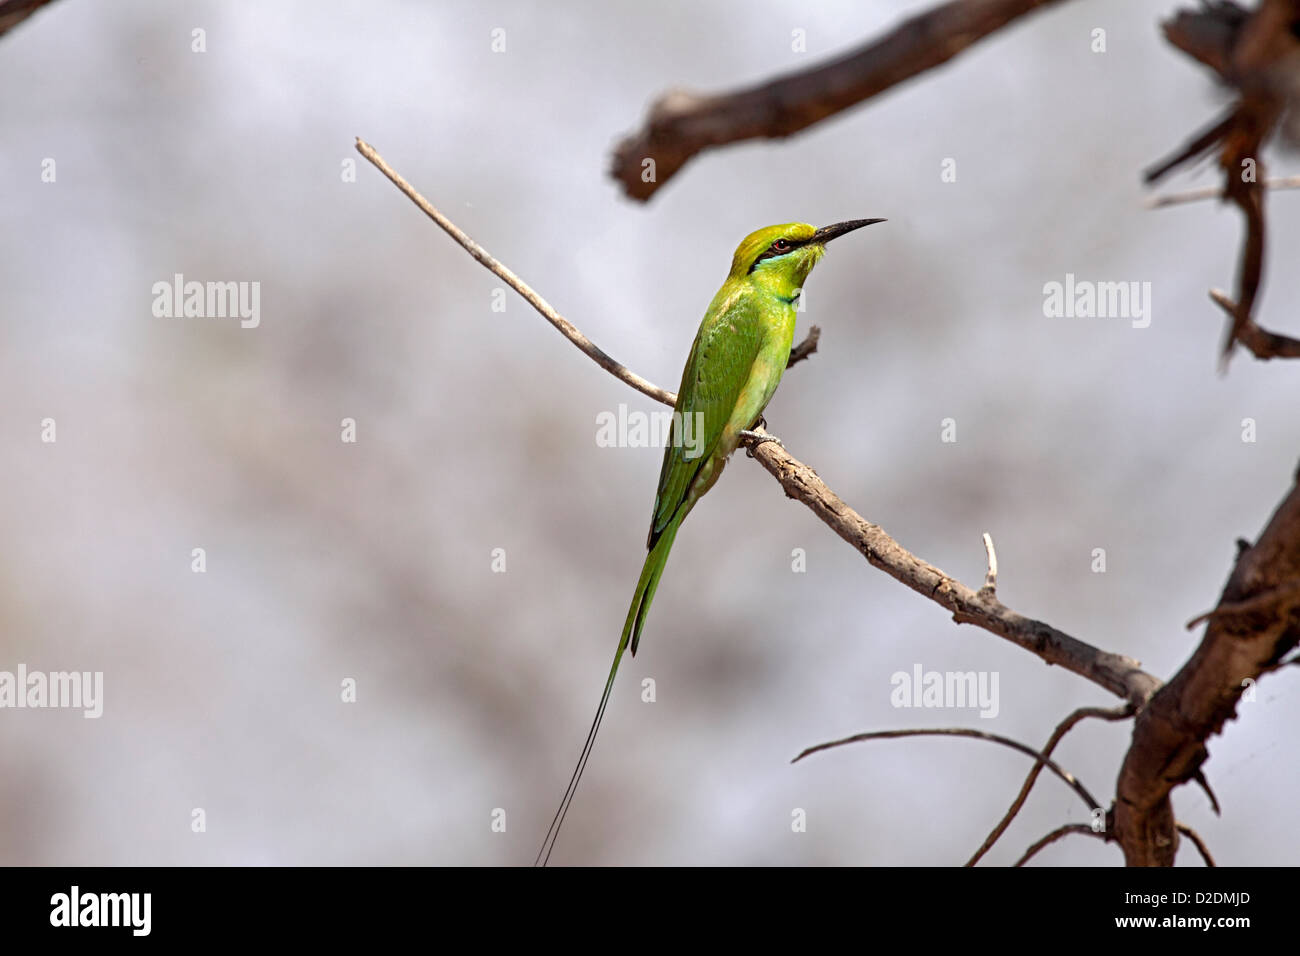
<point>1119,675</point>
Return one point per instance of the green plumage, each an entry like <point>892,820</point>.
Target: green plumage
<point>736,362</point>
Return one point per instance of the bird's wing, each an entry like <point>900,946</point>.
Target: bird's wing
<point>725,348</point>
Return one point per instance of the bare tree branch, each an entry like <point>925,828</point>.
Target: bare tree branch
<point>1240,645</point>
<point>14,12</point>
<point>1254,53</point>
<point>1121,676</point>
<point>682,123</point>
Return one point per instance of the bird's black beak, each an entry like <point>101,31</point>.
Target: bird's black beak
<point>826,233</point>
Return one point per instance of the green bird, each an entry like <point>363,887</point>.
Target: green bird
<point>739,355</point>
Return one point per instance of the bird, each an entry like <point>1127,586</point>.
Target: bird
<point>735,364</point>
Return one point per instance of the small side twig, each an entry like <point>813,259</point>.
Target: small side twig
<point>991,576</point>
<point>805,348</point>
<point>1282,598</point>
<point>1057,834</point>
<point>1199,777</point>
<point>1195,837</point>
<point>1216,192</point>
<point>1262,343</point>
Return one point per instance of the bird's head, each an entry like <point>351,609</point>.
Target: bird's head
<point>780,257</point>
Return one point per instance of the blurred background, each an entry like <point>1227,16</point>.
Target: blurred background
<point>476,430</point>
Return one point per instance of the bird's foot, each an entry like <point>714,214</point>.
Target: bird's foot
<point>757,438</point>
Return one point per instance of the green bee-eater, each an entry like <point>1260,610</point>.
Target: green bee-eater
<point>740,352</point>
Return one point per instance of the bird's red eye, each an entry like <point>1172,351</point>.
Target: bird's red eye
<point>781,245</point>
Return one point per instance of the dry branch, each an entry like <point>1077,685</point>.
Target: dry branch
<point>682,123</point>
<point>14,12</point>
<point>1255,53</point>
<point>1121,676</point>
<point>1242,642</point>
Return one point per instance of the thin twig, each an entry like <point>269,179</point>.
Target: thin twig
<point>1199,777</point>
<point>1216,192</point>
<point>805,348</point>
<point>1102,713</point>
<point>1282,598</point>
<point>1065,775</point>
<point>1195,837</point>
<point>1056,835</point>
